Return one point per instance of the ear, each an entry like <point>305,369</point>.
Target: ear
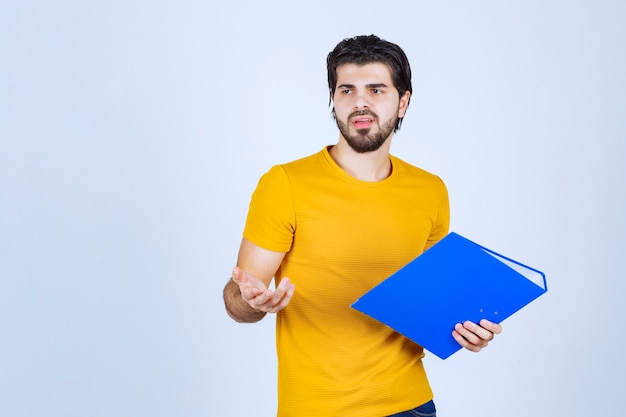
<point>404,104</point>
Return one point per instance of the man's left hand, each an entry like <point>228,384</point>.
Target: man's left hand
<point>475,337</point>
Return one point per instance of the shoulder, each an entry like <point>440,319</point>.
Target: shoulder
<point>410,172</point>
<point>309,166</point>
<point>281,176</point>
<point>305,163</point>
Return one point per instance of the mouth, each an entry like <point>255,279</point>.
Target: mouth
<point>362,122</point>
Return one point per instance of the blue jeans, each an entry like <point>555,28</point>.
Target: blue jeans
<point>424,410</point>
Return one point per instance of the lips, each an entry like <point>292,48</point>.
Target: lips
<point>362,122</point>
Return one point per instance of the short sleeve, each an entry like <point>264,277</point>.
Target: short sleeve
<point>441,225</point>
<point>270,223</point>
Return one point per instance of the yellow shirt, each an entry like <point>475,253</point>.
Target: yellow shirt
<point>343,236</point>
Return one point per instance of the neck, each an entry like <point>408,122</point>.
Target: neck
<point>368,166</point>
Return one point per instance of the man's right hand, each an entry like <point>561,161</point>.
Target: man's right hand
<point>258,296</point>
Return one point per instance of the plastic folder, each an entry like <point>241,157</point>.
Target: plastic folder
<point>453,281</point>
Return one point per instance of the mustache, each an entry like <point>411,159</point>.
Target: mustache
<point>363,113</point>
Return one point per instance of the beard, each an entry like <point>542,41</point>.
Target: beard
<point>363,140</point>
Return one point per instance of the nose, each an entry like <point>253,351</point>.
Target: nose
<point>361,100</point>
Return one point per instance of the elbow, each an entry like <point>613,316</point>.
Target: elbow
<point>249,316</point>
<point>237,309</point>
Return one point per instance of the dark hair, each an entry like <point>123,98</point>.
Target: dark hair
<point>368,49</point>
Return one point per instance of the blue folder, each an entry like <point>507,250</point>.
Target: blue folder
<point>453,281</point>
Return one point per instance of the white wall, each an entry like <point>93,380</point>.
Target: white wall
<point>133,132</point>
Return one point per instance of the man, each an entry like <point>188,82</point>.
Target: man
<point>328,228</point>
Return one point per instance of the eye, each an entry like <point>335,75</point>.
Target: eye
<point>346,91</point>
<point>377,91</point>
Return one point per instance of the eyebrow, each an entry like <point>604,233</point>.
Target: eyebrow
<point>369,86</point>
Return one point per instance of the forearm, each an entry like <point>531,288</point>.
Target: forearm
<point>236,306</point>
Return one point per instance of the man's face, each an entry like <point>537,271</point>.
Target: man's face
<point>367,105</point>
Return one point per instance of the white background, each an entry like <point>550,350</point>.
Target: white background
<point>133,132</point>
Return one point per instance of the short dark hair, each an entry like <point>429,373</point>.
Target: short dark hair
<point>368,49</point>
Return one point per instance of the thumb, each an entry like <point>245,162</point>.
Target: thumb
<point>244,279</point>
<point>239,276</point>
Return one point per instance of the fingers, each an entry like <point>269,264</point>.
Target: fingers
<point>475,337</point>
<point>278,299</point>
<point>258,296</point>
<point>467,338</point>
<point>492,327</point>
